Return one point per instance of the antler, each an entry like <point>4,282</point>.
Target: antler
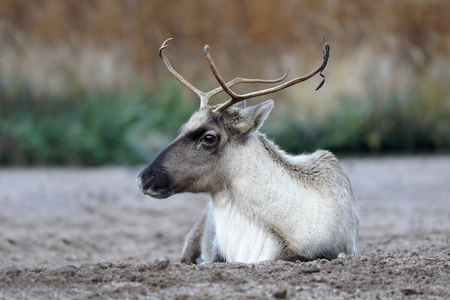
<point>190,87</point>
<point>237,97</point>
<point>204,97</point>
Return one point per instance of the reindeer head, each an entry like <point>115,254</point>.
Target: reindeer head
<point>196,161</point>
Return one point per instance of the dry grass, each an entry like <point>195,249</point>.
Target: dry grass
<point>54,45</point>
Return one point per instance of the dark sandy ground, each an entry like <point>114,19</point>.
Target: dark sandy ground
<point>89,234</point>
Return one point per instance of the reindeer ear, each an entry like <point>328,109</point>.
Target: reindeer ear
<point>252,118</point>
<point>240,104</point>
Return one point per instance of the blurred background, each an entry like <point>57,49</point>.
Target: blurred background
<point>81,82</point>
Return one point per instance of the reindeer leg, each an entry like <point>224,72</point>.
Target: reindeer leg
<point>192,249</point>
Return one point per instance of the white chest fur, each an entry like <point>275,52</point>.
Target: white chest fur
<point>240,238</point>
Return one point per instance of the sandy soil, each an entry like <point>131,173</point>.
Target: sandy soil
<point>89,234</point>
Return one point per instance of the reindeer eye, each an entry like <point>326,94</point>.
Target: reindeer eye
<point>209,139</point>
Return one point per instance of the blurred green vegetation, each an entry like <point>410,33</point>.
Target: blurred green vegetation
<point>89,128</point>
<point>419,125</point>
<point>129,127</point>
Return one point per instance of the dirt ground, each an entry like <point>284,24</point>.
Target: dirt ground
<point>89,234</point>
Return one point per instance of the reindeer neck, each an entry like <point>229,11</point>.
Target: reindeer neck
<point>256,171</point>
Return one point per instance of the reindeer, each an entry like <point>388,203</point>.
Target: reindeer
<point>265,204</point>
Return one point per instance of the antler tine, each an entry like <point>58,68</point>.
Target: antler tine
<point>219,78</point>
<point>237,97</point>
<point>203,96</point>
<point>239,80</point>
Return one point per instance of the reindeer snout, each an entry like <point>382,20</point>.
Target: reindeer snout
<point>156,183</point>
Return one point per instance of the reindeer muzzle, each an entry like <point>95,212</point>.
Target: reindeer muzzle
<point>156,183</point>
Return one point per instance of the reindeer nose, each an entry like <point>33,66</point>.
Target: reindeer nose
<point>144,180</point>
<point>155,182</point>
